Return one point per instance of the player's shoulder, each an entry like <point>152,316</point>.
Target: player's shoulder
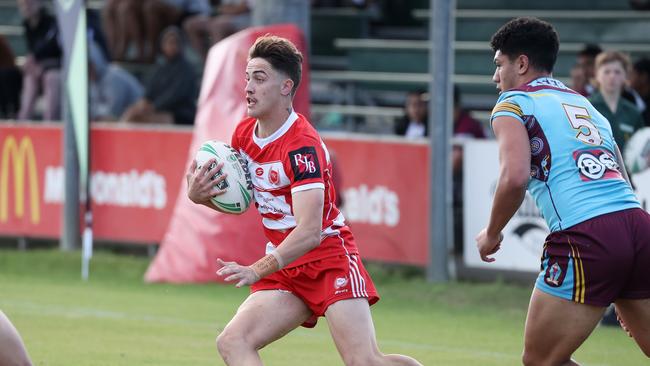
<point>302,132</point>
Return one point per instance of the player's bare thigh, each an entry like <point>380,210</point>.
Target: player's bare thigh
<point>264,317</point>
<point>555,328</point>
<point>635,314</point>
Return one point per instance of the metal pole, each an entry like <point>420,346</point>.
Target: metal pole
<point>441,34</point>
<point>71,222</point>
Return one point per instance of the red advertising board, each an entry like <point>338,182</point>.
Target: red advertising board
<point>135,176</point>
<point>27,203</point>
<point>386,196</point>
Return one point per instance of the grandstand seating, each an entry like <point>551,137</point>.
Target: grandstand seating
<point>368,58</point>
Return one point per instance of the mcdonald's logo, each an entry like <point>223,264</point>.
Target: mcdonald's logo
<point>19,156</point>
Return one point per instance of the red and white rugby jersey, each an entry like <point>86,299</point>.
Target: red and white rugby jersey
<point>292,159</point>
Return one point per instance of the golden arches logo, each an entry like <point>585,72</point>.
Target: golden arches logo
<point>20,156</point>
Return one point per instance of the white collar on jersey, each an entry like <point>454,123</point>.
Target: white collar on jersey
<point>261,142</point>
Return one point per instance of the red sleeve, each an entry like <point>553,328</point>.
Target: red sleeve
<point>304,163</point>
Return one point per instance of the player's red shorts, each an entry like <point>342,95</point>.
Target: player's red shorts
<point>321,283</point>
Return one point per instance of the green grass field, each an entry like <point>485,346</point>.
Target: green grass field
<point>116,319</point>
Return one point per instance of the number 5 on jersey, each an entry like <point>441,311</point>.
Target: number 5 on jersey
<point>581,121</point>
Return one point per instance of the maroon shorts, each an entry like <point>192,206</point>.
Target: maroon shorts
<point>599,260</point>
<point>321,283</point>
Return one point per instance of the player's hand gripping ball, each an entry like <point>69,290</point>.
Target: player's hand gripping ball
<point>237,185</point>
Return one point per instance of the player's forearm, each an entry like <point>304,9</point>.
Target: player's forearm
<point>300,241</point>
<point>507,199</point>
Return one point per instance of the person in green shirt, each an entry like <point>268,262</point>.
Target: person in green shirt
<point>624,117</point>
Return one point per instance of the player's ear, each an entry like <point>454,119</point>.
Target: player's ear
<point>287,87</point>
<point>522,63</point>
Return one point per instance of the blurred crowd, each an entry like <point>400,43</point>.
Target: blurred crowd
<point>170,39</point>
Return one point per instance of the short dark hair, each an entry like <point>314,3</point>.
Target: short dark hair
<point>281,54</point>
<point>528,36</point>
<point>642,66</point>
<point>590,50</point>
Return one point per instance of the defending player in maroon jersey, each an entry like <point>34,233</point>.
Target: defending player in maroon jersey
<point>312,266</point>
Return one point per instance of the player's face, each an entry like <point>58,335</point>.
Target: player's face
<point>505,73</point>
<point>611,77</point>
<point>263,88</point>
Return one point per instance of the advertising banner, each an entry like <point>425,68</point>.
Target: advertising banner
<point>386,196</point>
<point>135,175</point>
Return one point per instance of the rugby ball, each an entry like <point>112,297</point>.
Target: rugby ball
<point>637,151</point>
<point>238,183</point>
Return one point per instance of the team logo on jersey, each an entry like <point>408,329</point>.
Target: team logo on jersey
<point>259,171</point>
<point>553,275</point>
<point>596,164</point>
<point>274,176</point>
<point>536,146</point>
<point>340,282</point>
<point>304,163</point>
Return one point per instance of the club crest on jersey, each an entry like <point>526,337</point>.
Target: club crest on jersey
<point>274,176</point>
<point>553,275</point>
<point>340,282</point>
<point>304,163</point>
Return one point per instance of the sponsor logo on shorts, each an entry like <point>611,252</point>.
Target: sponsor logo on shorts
<point>553,275</point>
<point>259,172</point>
<point>340,282</point>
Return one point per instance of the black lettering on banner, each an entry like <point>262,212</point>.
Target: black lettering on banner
<point>304,163</point>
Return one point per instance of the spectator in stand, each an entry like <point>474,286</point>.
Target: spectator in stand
<point>465,127</point>
<point>142,22</point>
<point>204,31</point>
<point>415,122</point>
<point>11,81</point>
<point>582,73</point>
<point>640,82</point>
<point>112,89</point>
<point>171,93</point>
<point>623,116</point>
<point>41,71</point>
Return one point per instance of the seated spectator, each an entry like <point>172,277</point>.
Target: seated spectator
<point>623,116</point>
<point>640,82</point>
<point>11,81</point>
<point>41,71</point>
<point>170,95</point>
<point>582,73</point>
<point>204,31</point>
<point>415,122</point>
<point>142,22</point>
<point>112,89</point>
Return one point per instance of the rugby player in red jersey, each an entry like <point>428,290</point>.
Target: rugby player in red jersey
<point>312,266</point>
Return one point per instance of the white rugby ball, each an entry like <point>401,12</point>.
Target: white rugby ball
<point>637,151</point>
<point>238,183</point>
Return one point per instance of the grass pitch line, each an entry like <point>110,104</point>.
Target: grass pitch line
<point>28,307</point>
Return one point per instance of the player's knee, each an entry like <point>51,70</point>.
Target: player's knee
<point>229,342</point>
<point>531,359</point>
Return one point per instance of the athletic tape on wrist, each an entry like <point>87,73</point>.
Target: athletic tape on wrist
<point>265,266</point>
<point>278,258</point>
